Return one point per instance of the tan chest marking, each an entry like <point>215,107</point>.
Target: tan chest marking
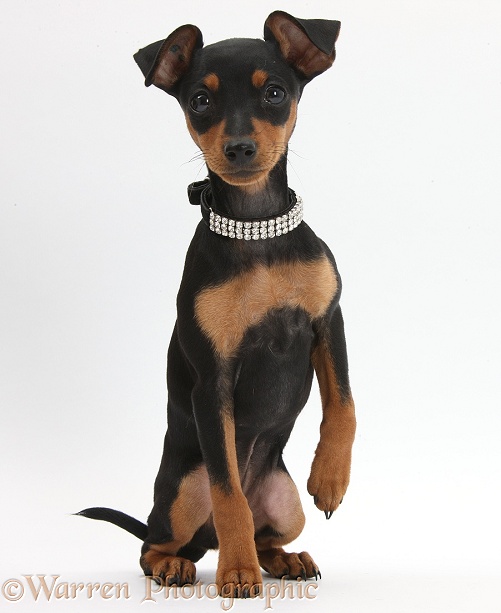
<point>225,312</point>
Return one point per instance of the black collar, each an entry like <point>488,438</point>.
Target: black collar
<point>200,193</point>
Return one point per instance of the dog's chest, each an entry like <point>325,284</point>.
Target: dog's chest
<point>225,312</point>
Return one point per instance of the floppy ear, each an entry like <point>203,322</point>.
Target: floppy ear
<point>306,44</point>
<point>165,62</point>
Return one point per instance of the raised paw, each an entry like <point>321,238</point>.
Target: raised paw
<point>328,483</point>
<point>167,569</point>
<point>241,583</point>
<point>280,564</point>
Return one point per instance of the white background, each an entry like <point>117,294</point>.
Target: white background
<point>397,157</point>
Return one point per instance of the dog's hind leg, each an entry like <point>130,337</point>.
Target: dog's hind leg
<point>279,515</point>
<point>182,502</point>
<point>167,553</point>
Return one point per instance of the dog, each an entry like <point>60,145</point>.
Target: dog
<point>257,314</point>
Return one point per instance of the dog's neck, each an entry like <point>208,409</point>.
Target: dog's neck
<point>254,201</point>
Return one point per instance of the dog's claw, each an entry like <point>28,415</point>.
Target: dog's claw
<point>315,499</point>
<point>328,514</point>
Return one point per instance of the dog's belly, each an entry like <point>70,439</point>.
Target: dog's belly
<point>273,500</point>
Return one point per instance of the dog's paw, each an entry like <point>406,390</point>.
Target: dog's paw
<point>239,583</point>
<point>328,482</point>
<point>168,570</point>
<point>289,565</point>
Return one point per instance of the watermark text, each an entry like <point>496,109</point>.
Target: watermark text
<point>40,588</point>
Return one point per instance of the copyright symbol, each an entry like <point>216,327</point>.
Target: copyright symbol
<point>12,590</point>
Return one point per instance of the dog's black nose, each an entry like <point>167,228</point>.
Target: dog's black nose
<point>240,151</point>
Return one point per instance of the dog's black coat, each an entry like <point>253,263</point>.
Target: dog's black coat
<point>256,318</point>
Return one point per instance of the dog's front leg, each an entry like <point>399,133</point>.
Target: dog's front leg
<point>238,572</point>
<point>330,472</point>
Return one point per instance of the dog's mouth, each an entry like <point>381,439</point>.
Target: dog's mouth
<point>246,173</point>
<point>244,177</point>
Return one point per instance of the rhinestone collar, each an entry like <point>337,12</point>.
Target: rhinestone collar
<point>200,193</point>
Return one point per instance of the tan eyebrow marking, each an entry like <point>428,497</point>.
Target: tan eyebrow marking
<point>259,78</point>
<point>211,81</point>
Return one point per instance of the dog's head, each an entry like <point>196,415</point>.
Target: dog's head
<point>240,96</point>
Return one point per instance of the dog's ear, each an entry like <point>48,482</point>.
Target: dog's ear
<point>306,44</point>
<point>165,62</point>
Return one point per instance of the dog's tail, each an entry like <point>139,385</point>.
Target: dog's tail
<point>118,518</point>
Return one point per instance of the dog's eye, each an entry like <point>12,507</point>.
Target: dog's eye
<point>200,102</point>
<point>274,94</point>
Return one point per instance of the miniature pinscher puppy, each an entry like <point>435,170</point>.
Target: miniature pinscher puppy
<point>258,314</point>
